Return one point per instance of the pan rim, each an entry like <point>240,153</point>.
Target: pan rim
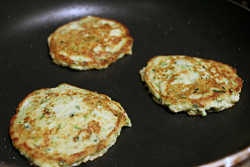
<point>230,160</point>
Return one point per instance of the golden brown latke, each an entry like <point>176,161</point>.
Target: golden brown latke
<point>90,43</point>
<point>191,84</point>
<point>66,125</point>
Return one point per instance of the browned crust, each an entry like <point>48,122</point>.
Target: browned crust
<point>18,109</point>
<point>94,64</point>
<point>93,127</point>
<point>171,98</point>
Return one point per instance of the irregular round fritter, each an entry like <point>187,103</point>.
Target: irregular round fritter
<point>66,125</point>
<point>90,43</point>
<point>191,84</point>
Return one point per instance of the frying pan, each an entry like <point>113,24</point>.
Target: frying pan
<point>214,30</point>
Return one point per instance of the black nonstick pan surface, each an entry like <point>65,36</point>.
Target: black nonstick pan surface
<point>214,30</point>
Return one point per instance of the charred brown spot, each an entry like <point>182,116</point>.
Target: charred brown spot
<point>94,126</point>
<point>15,139</point>
<point>26,147</point>
<point>76,138</point>
<point>27,119</point>
<point>46,111</point>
